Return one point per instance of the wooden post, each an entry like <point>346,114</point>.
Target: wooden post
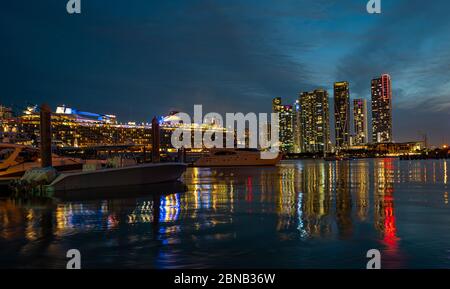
<point>46,136</point>
<point>155,141</point>
<point>156,213</point>
<point>145,154</point>
<point>180,155</point>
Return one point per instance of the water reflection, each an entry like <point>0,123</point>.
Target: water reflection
<point>316,196</point>
<point>347,201</point>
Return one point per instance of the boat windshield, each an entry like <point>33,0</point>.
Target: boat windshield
<point>5,154</point>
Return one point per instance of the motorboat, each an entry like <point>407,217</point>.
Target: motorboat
<point>149,173</point>
<point>235,157</point>
<point>16,159</point>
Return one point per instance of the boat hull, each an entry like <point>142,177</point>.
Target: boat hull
<point>239,160</point>
<point>127,176</point>
<point>129,191</point>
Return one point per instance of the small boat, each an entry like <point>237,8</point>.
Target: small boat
<point>235,157</point>
<point>119,177</point>
<point>15,160</point>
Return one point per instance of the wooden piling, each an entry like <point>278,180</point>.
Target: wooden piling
<point>182,155</point>
<point>145,154</point>
<point>46,135</point>
<point>155,140</point>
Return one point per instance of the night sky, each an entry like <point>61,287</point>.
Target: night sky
<point>138,58</point>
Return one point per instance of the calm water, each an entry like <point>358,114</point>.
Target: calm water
<point>303,214</point>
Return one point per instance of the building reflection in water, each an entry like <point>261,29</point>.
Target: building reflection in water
<point>287,198</point>
<point>307,199</point>
<point>311,197</point>
<point>384,218</point>
<point>169,208</point>
<point>30,221</point>
<point>343,195</point>
<point>316,199</point>
<point>360,178</point>
<point>321,194</point>
<point>445,181</point>
<point>445,172</point>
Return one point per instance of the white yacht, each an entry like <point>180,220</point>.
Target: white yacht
<point>15,160</point>
<point>235,157</point>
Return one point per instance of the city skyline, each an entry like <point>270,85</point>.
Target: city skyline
<point>305,124</point>
<point>304,127</point>
<point>146,58</point>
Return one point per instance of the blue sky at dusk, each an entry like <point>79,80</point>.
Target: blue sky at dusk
<point>139,58</point>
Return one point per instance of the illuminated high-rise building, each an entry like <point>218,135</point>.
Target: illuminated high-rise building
<point>342,114</point>
<point>297,127</point>
<point>360,121</point>
<point>276,105</point>
<point>382,109</point>
<point>286,124</point>
<point>286,128</point>
<point>315,121</point>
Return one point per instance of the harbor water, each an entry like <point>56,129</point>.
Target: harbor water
<point>300,214</point>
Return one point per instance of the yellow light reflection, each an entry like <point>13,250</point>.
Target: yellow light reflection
<point>445,172</point>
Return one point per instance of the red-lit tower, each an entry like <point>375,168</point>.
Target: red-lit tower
<point>382,109</point>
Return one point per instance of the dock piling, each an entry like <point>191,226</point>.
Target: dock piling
<point>155,140</point>
<point>46,135</point>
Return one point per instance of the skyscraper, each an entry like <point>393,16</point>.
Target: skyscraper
<point>342,114</point>
<point>286,119</point>
<point>297,127</point>
<point>315,121</point>
<point>276,105</point>
<point>382,109</point>
<point>360,121</point>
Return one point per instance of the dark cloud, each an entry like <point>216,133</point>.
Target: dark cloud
<point>117,58</point>
<point>410,42</point>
